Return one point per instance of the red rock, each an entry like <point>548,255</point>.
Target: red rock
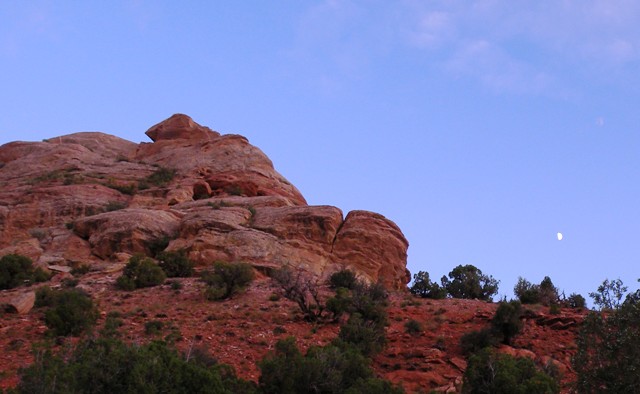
<point>180,126</point>
<point>375,247</point>
<point>23,303</point>
<point>128,230</point>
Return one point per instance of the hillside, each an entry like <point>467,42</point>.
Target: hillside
<point>93,200</point>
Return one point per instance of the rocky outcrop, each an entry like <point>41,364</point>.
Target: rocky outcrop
<point>129,230</point>
<point>374,244</point>
<point>180,126</point>
<point>92,197</point>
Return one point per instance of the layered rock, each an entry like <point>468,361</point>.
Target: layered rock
<point>91,197</point>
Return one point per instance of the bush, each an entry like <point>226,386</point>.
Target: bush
<point>367,300</point>
<point>366,336</point>
<point>475,341</point>
<point>548,292</point>
<point>506,322</point>
<point>157,245</point>
<point>413,327</point>
<point>16,269</point>
<point>327,369</point>
<point>153,327</point>
<point>302,288</point>
<point>114,206</point>
<point>140,272</point>
<point>490,372</point>
<point>175,264</point>
<point>108,365</point>
<point>227,279</point>
<point>80,270</point>
<point>608,356</point>
<point>70,282</point>
<point>505,325</point>
<point>526,292</point>
<point>160,178</point>
<point>45,296</point>
<point>340,304</point>
<point>468,282</point>
<point>112,322</point>
<point>423,287</point>
<point>609,294</point>
<point>344,278</point>
<point>545,293</point>
<point>575,301</point>
<point>72,312</point>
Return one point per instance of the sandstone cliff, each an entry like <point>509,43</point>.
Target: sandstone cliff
<point>95,198</point>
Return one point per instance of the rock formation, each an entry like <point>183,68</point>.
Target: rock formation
<point>92,198</point>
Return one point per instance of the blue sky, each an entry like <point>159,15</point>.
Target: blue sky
<point>482,128</point>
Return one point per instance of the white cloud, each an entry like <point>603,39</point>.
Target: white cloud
<point>433,29</point>
<point>491,65</point>
<point>515,46</point>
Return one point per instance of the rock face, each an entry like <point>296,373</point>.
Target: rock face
<point>91,198</point>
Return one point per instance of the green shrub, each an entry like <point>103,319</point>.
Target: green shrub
<point>45,296</point>
<point>327,369</point>
<point>608,356</point>
<point>114,206</point>
<point>413,327</point>
<point>475,341</point>
<point>40,275</point>
<point>609,294</point>
<point>545,293</point>
<point>548,292</point>
<point>366,336</point>
<point>302,288</point>
<point>227,279</point>
<point>157,245</point>
<point>80,270</point>
<point>70,282</point>
<point>344,278</point>
<point>505,325</point>
<point>72,312</point>
<point>490,372</point>
<point>175,264</point>
<point>340,304</point>
<point>526,292</point>
<point>153,327</point>
<point>234,190</point>
<point>468,282</point>
<point>160,178</point>
<point>16,269</point>
<point>575,301</point>
<point>425,288</point>
<point>506,322</point>
<point>140,272</point>
<point>217,204</point>
<point>128,189</point>
<point>274,297</point>
<point>108,365</point>
<point>125,283</point>
<point>112,323</point>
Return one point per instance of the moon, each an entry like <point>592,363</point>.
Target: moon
<point>559,236</point>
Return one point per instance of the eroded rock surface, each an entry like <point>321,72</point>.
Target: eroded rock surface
<point>94,198</point>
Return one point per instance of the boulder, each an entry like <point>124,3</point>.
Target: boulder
<point>375,247</point>
<point>180,126</point>
<point>22,303</point>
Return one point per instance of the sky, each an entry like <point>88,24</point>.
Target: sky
<point>481,127</point>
